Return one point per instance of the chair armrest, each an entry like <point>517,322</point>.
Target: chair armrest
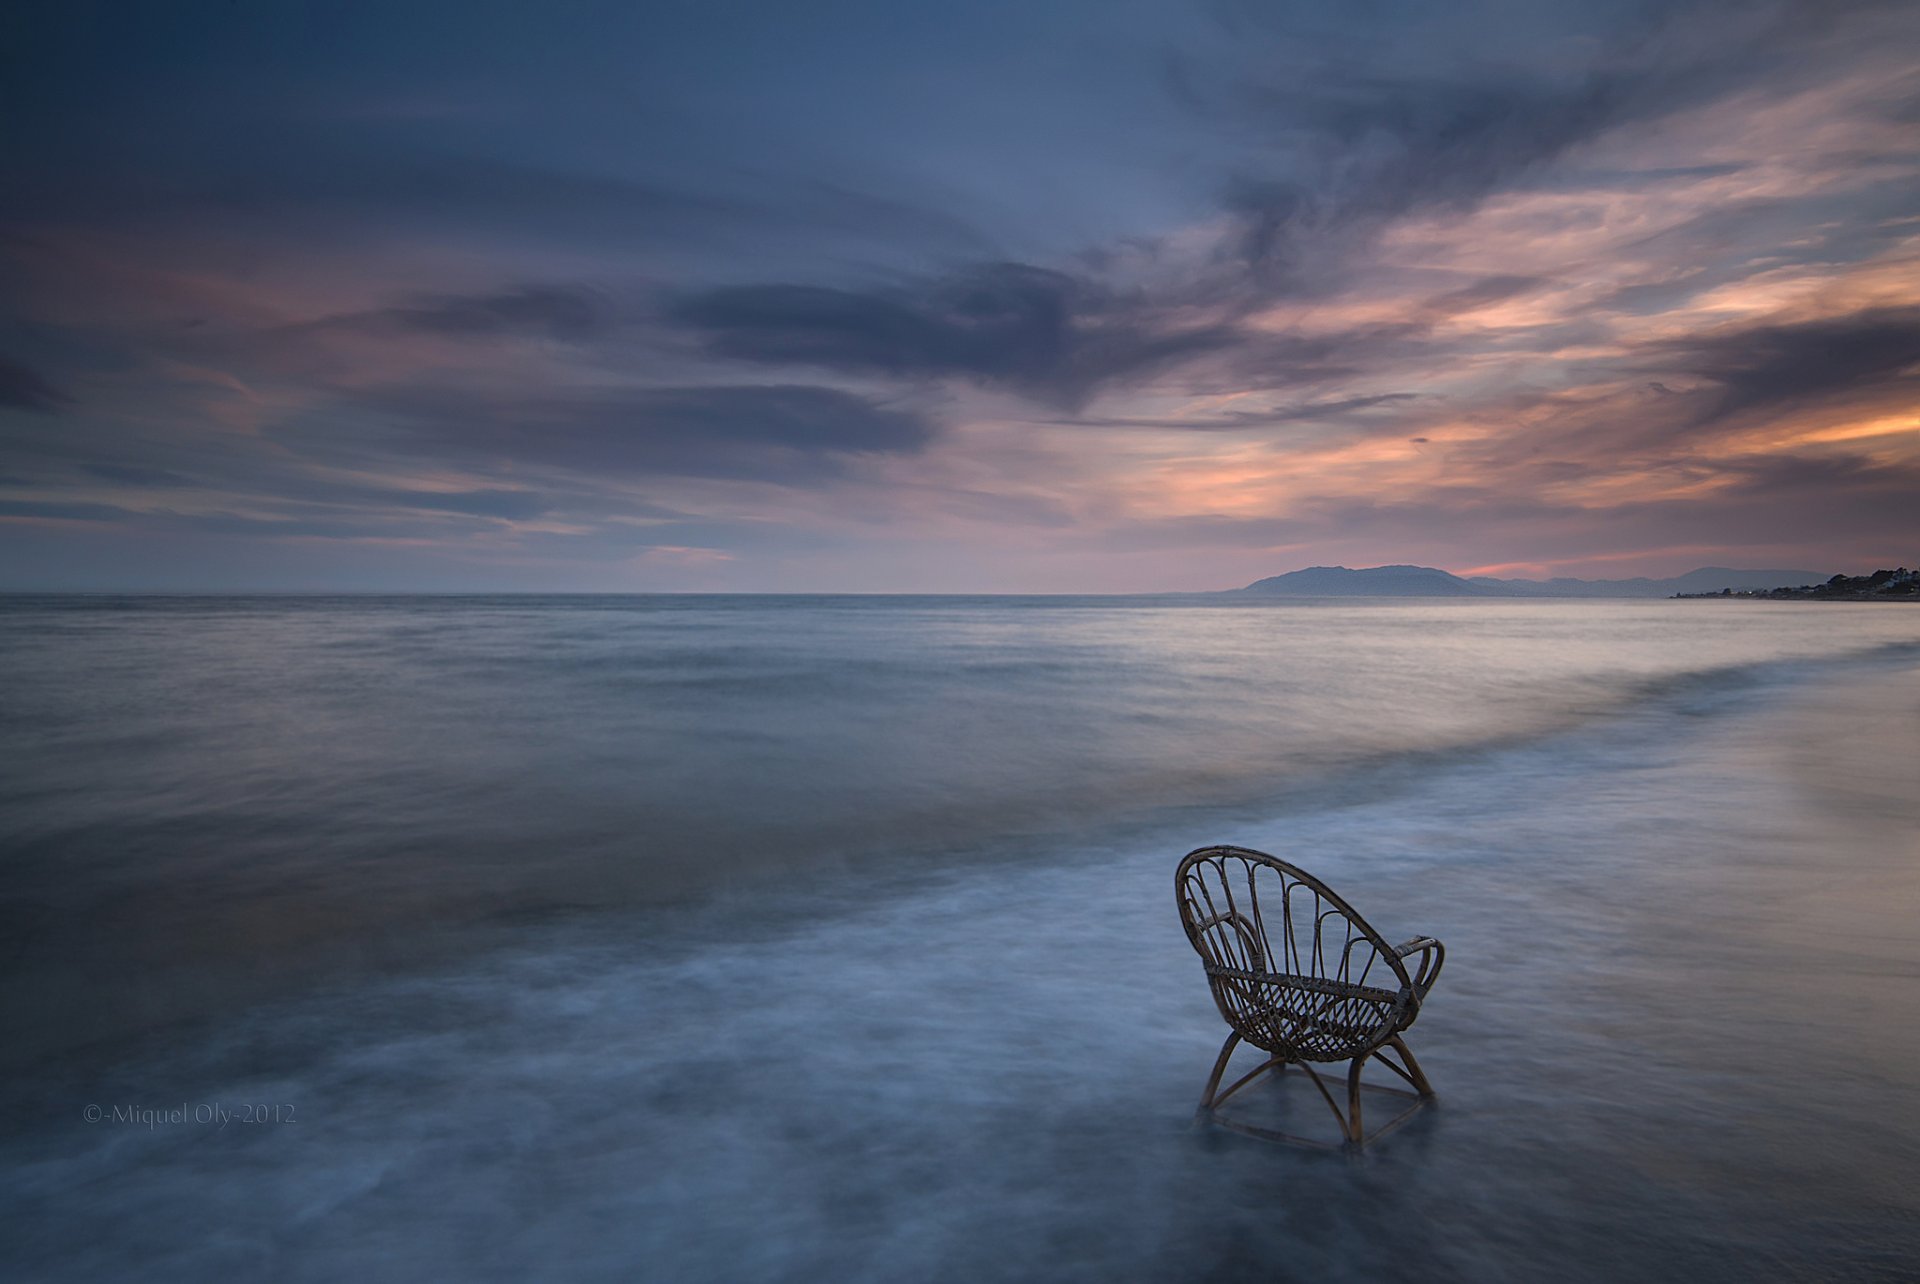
<point>1432,956</point>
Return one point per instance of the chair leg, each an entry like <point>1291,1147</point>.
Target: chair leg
<point>1356,1133</point>
<point>1219,1068</point>
<point>1413,1072</point>
<point>1215,1094</point>
<point>1326,1096</point>
<point>1352,1123</point>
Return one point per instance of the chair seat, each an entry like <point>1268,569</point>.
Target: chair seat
<point>1308,1018</point>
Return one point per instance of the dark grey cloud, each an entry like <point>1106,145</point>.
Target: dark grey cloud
<point>327,186</point>
<point>551,311</point>
<point>1380,148</point>
<point>1045,333</point>
<point>493,502</point>
<point>1811,500</point>
<point>1786,367</point>
<point>1349,130</point>
<point>1814,228</point>
<point>1242,420</point>
<point>1635,180</point>
<point>1059,338</point>
<point>274,169</point>
<point>24,389</point>
<point>1663,429</point>
<point>137,475</point>
<point>276,520</point>
<point>281,485</point>
<point>1650,298</point>
<point>333,526</point>
<point>1487,290</point>
<point>777,433</point>
<point>1848,477</point>
<point>63,510</point>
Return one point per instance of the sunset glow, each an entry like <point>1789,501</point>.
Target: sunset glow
<point>1615,294</point>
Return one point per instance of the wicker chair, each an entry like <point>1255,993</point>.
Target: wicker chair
<point>1299,975</point>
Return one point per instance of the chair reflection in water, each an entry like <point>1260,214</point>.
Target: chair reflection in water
<point>1302,977</point>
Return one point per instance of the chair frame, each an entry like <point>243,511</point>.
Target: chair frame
<point>1317,1005</point>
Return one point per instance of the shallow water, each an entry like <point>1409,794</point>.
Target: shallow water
<point>749,939</point>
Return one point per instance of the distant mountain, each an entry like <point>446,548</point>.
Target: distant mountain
<point>1708,579</point>
<point>1372,581</point>
<point>1428,581</point>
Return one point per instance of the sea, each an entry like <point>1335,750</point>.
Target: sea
<point>690,938</point>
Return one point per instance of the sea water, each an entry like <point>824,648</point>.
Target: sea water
<point>833,938</point>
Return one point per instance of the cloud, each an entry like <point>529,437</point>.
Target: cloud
<point>1049,334</point>
<point>778,433</point>
<point>23,389</point>
<point>1243,420</point>
<point>1403,145</point>
<point>494,502</point>
<point>1780,368</point>
<point>137,476</point>
<point>1064,339</point>
<point>63,511</point>
<point>1350,132</point>
<point>1782,503</point>
<point>549,311</point>
<point>289,181</point>
<point>1514,281</point>
<point>340,525</point>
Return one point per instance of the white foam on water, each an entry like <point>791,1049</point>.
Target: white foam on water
<point>1671,1039</point>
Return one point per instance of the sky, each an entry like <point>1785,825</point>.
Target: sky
<point>1083,296</point>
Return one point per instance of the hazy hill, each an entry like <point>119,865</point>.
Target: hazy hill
<point>1708,579</point>
<point>1428,581</point>
<point>1372,581</point>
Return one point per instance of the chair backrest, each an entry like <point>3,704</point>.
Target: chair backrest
<point>1292,967</point>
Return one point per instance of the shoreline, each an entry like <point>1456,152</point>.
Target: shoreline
<point>1795,596</point>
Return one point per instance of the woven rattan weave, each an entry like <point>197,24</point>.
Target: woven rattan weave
<point>1302,977</point>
